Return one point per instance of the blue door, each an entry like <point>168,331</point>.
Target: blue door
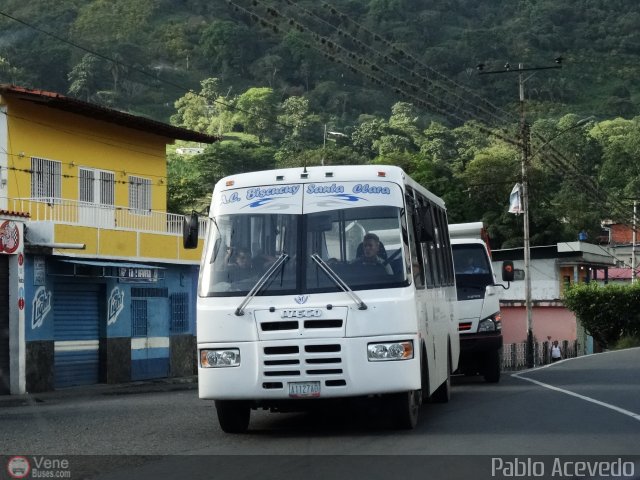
<point>76,310</point>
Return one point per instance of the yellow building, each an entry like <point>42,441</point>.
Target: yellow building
<point>104,270</point>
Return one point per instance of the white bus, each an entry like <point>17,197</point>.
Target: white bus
<point>318,314</point>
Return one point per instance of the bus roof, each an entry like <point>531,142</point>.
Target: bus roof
<point>332,173</point>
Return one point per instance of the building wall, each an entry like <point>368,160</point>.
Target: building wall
<point>37,131</point>
<point>621,234</point>
<point>12,305</point>
<point>550,318</point>
<point>123,353</point>
<point>544,281</point>
<point>555,322</point>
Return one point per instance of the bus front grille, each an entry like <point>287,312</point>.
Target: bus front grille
<point>288,325</point>
<point>292,363</point>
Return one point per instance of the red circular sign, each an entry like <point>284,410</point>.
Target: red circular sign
<point>9,237</point>
<point>20,259</point>
<point>21,304</point>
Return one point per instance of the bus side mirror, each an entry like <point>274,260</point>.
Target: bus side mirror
<point>507,271</point>
<point>190,229</point>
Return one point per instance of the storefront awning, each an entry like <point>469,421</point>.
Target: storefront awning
<point>123,271</point>
<point>98,263</point>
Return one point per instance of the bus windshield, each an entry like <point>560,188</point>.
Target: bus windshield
<point>364,246</point>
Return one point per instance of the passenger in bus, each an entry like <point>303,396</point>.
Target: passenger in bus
<point>370,254</point>
<point>239,265</point>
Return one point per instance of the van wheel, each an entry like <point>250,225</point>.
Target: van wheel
<point>233,416</point>
<point>492,366</point>
<point>443,393</point>
<point>405,408</point>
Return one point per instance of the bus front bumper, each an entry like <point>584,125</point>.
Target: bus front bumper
<point>308,368</point>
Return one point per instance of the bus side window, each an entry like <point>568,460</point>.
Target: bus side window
<point>414,246</point>
<point>424,246</point>
<point>440,247</point>
<point>447,255</point>
<point>433,249</point>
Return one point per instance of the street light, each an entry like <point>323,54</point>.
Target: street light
<point>526,158</point>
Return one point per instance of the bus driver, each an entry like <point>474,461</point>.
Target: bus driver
<point>370,251</point>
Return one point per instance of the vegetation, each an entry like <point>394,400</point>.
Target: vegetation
<point>627,342</point>
<point>395,79</point>
<point>610,313</point>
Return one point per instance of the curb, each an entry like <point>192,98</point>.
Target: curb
<point>101,389</point>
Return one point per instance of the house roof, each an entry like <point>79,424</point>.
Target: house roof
<point>620,273</point>
<point>10,213</point>
<point>565,253</point>
<point>79,107</point>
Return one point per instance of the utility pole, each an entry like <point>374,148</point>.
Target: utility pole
<point>525,158</point>
<point>324,144</point>
<point>524,139</point>
<point>634,274</point>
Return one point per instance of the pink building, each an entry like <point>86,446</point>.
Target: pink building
<point>552,268</point>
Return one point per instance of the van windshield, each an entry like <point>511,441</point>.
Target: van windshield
<point>473,270</point>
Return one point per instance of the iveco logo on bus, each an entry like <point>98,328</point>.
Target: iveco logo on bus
<point>302,313</point>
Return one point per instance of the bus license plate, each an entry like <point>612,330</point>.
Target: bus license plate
<point>304,389</point>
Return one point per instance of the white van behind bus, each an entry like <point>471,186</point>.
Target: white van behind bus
<point>479,318</point>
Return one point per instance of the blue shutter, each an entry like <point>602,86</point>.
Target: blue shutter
<point>77,334</point>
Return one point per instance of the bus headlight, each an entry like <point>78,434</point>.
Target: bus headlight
<point>379,352</point>
<point>490,324</point>
<point>223,357</point>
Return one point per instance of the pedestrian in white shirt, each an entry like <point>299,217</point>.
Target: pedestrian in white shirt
<point>556,352</point>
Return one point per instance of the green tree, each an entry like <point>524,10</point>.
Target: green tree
<point>298,128</point>
<point>84,76</point>
<point>257,112</point>
<point>206,111</point>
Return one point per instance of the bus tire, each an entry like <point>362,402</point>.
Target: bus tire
<point>233,415</point>
<point>492,366</point>
<point>405,408</point>
<point>443,393</point>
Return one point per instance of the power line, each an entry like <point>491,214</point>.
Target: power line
<point>403,84</point>
<point>416,61</point>
<point>387,58</point>
<point>330,49</point>
<point>558,163</point>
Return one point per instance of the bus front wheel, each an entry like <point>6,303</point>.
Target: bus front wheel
<point>405,408</point>
<point>233,415</point>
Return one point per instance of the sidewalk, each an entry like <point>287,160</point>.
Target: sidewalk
<point>101,389</point>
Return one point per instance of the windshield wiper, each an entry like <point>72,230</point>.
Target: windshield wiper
<point>261,283</point>
<point>338,281</point>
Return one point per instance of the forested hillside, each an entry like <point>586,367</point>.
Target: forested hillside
<point>397,79</point>
<point>181,42</point>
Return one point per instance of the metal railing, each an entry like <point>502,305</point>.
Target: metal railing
<point>514,355</point>
<point>73,212</point>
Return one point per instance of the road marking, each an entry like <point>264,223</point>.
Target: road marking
<point>629,413</point>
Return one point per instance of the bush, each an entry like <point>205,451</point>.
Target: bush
<point>607,312</point>
<point>627,342</point>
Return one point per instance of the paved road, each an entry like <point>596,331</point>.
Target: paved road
<point>584,406</point>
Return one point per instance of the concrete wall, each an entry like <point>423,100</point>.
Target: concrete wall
<point>555,322</point>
